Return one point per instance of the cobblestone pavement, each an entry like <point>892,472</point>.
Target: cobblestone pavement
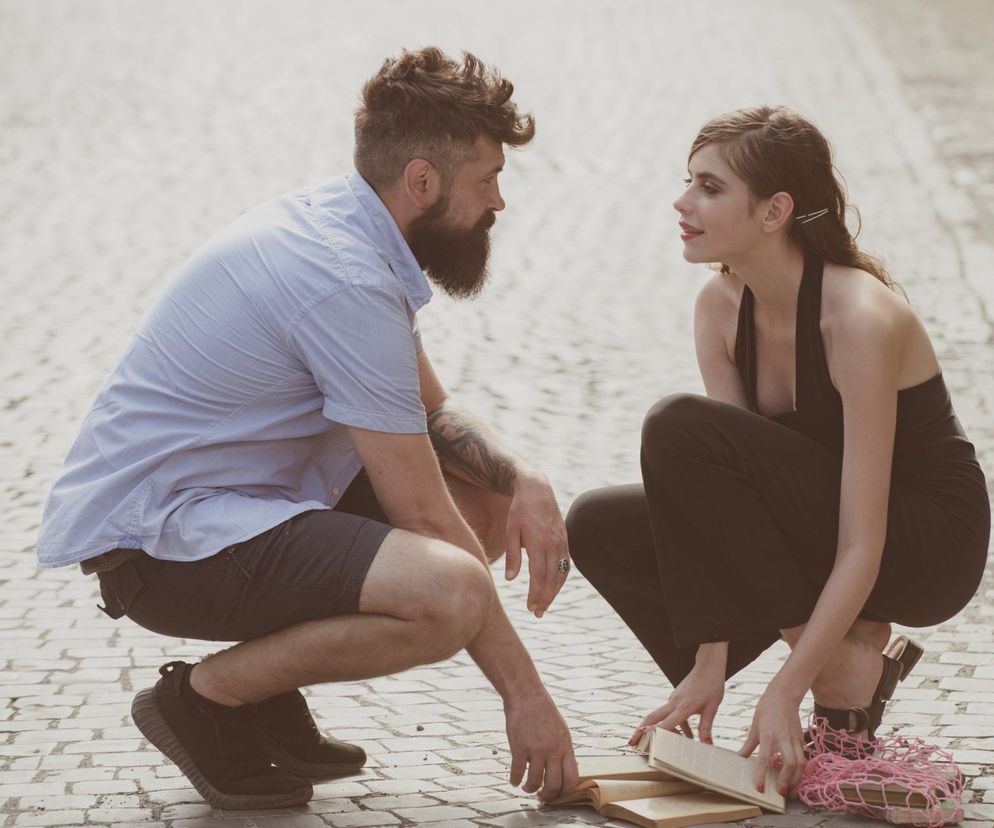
<point>130,131</point>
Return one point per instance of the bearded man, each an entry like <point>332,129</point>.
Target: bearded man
<point>275,462</point>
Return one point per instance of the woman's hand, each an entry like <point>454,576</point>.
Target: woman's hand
<point>700,692</point>
<point>776,731</point>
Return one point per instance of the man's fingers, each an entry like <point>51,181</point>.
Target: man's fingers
<point>536,580</point>
<point>535,771</point>
<point>571,774</point>
<point>517,769</point>
<point>550,584</point>
<point>552,784</point>
<point>512,555</point>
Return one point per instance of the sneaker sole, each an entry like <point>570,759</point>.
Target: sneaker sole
<point>312,771</point>
<point>148,720</point>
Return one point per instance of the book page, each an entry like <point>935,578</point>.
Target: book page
<point>680,810</point>
<point>586,791</point>
<point>625,766</point>
<point>614,790</point>
<point>713,767</point>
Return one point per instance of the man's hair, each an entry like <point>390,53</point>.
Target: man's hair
<point>424,104</point>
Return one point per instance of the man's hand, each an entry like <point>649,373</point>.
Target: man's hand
<point>540,742</point>
<point>535,523</point>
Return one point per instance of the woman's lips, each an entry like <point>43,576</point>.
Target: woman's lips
<point>689,231</point>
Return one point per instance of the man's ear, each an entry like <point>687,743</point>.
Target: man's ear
<point>422,183</point>
<point>776,211</point>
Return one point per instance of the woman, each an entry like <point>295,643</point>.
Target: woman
<point>824,487</point>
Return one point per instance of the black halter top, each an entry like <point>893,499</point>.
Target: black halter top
<point>928,436</point>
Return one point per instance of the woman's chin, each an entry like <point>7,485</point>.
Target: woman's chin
<point>694,257</point>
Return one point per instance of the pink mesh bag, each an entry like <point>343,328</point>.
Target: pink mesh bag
<point>899,780</point>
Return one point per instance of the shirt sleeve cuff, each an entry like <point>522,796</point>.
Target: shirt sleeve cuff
<point>375,421</point>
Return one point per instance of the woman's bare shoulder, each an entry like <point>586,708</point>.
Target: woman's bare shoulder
<point>720,294</point>
<point>860,311</point>
<point>851,296</point>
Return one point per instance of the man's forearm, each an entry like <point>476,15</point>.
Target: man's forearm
<point>497,650</point>
<point>469,450</point>
<point>500,654</point>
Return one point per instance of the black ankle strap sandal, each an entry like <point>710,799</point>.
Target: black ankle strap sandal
<point>900,657</point>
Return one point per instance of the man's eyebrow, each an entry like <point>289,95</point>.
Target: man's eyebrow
<point>496,169</point>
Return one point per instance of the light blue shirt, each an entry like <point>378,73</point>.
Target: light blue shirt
<point>227,414</point>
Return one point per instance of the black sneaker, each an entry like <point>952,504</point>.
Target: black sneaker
<point>293,741</point>
<point>216,747</point>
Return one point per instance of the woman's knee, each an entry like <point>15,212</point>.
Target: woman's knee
<point>592,518</point>
<point>674,416</point>
<point>582,522</point>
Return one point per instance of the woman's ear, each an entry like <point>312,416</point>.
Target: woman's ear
<point>777,211</point>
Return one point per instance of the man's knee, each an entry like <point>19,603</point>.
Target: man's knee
<point>456,606</point>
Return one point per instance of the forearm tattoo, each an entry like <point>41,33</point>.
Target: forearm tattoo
<point>464,449</point>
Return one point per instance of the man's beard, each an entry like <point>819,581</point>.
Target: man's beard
<point>454,259</point>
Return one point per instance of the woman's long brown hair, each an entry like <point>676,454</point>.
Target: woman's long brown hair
<point>775,149</point>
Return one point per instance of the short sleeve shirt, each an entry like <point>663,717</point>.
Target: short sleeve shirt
<point>228,413</point>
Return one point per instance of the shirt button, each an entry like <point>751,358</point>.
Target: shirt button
<point>336,491</point>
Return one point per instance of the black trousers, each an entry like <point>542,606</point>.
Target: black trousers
<point>733,533</point>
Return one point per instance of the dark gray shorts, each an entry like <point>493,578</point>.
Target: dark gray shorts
<point>312,566</point>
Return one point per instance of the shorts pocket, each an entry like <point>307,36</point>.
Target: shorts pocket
<point>119,588</point>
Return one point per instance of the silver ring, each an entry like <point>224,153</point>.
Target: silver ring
<point>563,564</point>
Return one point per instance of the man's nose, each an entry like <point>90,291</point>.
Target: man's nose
<point>497,202</point>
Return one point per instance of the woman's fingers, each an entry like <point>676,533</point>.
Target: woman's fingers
<point>704,725</point>
<point>762,761</point>
<point>793,766</point>
<point>752,740</point>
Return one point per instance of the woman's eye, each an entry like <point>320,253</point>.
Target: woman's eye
<point>687,181</point>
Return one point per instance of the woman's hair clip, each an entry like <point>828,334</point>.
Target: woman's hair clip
<point>804,218</point>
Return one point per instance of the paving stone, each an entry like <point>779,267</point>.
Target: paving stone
<point>361,819</point>
<point>126,141</point>
<point>436,813</point>
<point>49,818</point>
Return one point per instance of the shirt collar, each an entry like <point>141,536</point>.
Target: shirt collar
<point>391,243</point>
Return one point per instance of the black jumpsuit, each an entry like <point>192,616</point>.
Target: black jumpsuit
<point>732,534</point>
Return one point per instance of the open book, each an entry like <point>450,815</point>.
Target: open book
<point>712,767</point>
<point>627,787</point>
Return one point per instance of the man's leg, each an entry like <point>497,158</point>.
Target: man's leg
<point>419,600</point>
<point>422,601</point>
<point>485,512</point>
